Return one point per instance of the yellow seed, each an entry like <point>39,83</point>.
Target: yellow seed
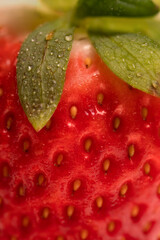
<point>131,150</point>
<point>99,202</point>
<point>76,185</point>
<point>45,212</point>
<point>100,98</point>
<point>147,168</point>
<point>60,238</point>
<point>158,189</point>
<point>111,226</point>
<point>1,92</point>
<point>73,112</point>
<point>147,227</point>
<point>116,123</point>
<point>25,222</point>
<point>26,146</point>
<point>48,124</point>
<point>88,62</point>
<point>70,211</point>
<point>106,165</point>
<point>123,190</point>
<point>87,145</point>
<point>49,36</point>
<point>5,171</point>
<point>21,191</point>
<point>59,159</point>
<point>9,123</point>
<point>144,113</point>
<point>135,211</point>
<point>41,179</point>
<point>84,234</point>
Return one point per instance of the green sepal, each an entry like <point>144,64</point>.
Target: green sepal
<point>132,57</point>
<point>41,69</point>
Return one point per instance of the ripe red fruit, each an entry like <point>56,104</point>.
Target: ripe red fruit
<point>93,172</point>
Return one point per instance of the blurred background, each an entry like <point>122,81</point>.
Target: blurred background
<point>9,3</point>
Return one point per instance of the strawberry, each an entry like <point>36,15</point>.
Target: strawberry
<point>92,171</point>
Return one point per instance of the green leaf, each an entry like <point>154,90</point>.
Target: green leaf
<point>125,8</point>
<point>59,5</point>
<point>41,69</point>
<point>132,57</point>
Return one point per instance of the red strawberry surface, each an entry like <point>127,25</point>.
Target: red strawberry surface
<point>93,173</point>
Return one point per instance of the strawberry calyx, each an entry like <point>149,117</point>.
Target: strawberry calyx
<point>44,56</point>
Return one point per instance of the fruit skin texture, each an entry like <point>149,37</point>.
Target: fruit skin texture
<point>93,172</point>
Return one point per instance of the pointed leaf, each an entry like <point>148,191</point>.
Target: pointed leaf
<point>41,69</point>
<point>132,57</point>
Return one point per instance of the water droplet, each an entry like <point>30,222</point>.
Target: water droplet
<point>139,75</point>
<point>68,38</point>
<point>27,49</point>
<point>144,44</point>
<point>60,55</point>
<point>29,68</point>
<point>51,53</point>
<point>32,40</point>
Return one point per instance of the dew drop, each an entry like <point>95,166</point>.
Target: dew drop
<point>68,38</point>
<point>29,68</point>
<point>60,55</point>
<point>144,45</point>
<point>139,75</point>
